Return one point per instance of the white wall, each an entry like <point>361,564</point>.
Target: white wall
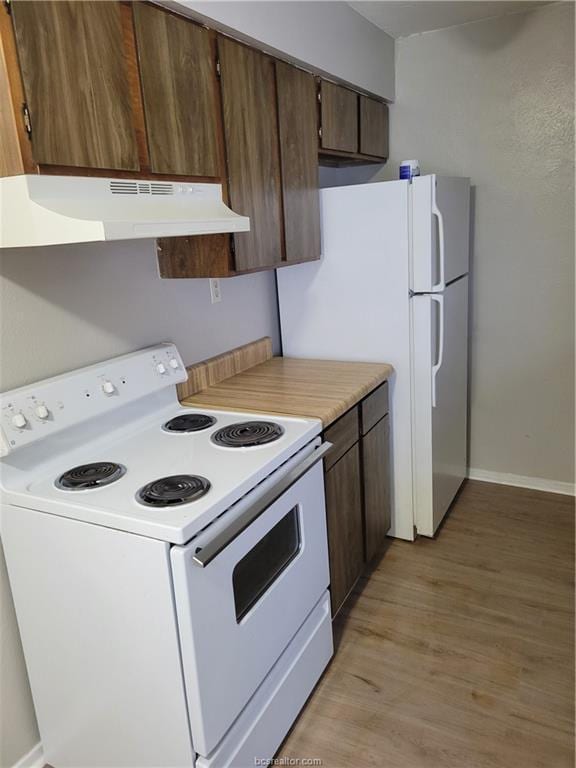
<point>330,37</point>
<point>494,100</point>
<point>64,307</point>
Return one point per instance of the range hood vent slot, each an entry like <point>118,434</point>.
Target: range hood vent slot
<point>141,188</point>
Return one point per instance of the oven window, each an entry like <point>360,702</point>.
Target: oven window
<point>260,567</point>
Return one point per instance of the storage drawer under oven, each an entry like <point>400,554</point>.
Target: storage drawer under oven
<point>258,732</point>
<point>241,598</point>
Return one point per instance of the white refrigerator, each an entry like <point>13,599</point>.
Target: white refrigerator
<point>392,286</point>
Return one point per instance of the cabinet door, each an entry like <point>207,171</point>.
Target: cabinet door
<point>298,127</point>
<point>248,85</point>
<point>344,518</point>
<point>76,83</point>
<point>339,118</point>
<point>180,91</point>
<point>376,470</point>
<point>373,127</point>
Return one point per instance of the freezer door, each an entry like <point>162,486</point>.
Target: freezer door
<point>440,386</point>
<point>440,231</point>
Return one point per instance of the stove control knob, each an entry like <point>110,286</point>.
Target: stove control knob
<point>42,412</point>
<point>108,388</point>
<point>161,368</point>
<point>19,420</point>
<point>174,364</point>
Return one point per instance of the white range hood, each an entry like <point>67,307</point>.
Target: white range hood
<point>51,210</point>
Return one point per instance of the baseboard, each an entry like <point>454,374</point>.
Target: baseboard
<point>519,481</point>
<point>32,759</point>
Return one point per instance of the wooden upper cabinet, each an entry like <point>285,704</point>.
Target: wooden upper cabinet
<point>248,85</point>
<point>76,83</point>
<point>180,92</point>
<point>354,126</point>
<point>339,118</point>
<point>298,127</point>
<point>373,127</point>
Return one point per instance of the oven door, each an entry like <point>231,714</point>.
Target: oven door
<point>245,586</point>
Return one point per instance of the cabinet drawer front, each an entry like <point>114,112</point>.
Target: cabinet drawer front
<point>374,407</point>
<point>342,434</point>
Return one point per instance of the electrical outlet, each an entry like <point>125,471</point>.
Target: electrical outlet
<point>215,295</point>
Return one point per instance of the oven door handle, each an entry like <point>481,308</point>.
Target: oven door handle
<point>212,548</point>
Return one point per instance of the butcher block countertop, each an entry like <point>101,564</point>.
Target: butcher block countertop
<point>287,386</point>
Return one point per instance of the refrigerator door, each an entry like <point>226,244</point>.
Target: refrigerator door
<point>440,231</point>
<point>440,387</point>
<point>354,304</point>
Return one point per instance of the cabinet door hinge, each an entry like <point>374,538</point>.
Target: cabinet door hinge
<point>218,70</point>
<point>319,133</point>
<point>27,120</point>
<point>319,96</point>
<point>8,6</point>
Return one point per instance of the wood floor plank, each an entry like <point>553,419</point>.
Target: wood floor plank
<point>456,652</point>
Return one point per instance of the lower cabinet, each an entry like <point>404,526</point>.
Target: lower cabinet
<point>343,484</point>
<point>375,463</point>
<point>357,480</point>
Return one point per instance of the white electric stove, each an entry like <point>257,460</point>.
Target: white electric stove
<point>169,567</point>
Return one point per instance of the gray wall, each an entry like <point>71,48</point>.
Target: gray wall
<point>328,36</point>
<point>494,100</point>
<point>65,307</point>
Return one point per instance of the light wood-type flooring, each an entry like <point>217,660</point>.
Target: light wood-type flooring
<point>456,652</point>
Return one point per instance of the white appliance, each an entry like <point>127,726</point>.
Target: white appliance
<point>169,567</point>
<point>52,210</point>
<point>392,285</point>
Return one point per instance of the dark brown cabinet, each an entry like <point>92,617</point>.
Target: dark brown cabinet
<point>180,93</point>
<point>270,122</point>
<point>297,124</point>
<point>373,127</point>
<point>76,83</point>
<point>248,85</point>
<point>357,479</point>
<point>344,520</point>
<point>375,461</point>
<point>375,429</point>
<point>131,90</point>
<point>339,117</point>
<point>353,127</point>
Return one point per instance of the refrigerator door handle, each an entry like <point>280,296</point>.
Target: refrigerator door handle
<point>439,298</point>
<point>441,284</point>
